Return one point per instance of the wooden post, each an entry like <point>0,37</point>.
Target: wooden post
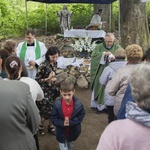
<point>26,14</point>
<point>46,19</point>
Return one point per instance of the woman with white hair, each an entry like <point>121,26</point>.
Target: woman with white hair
<point>134,132</point>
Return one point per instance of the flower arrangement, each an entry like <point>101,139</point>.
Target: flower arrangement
<point>84,44</point>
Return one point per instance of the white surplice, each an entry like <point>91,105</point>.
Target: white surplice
<point>30,55</point>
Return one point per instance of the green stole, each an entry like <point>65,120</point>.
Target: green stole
<point>24,49</point>
<point>97,69</point>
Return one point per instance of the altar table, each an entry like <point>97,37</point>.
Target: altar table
<point>77,33</point>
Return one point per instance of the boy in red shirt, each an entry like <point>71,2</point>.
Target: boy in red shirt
<point>67,115</point>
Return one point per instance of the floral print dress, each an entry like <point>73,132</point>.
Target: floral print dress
<point>45,106</point>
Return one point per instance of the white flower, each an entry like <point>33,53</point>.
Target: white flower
<point>84,44</point>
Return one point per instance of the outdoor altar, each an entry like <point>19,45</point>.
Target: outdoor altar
<point>82,33</point>
<point>77,65</point>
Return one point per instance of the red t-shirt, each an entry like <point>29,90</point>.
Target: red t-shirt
<point>67,110</point>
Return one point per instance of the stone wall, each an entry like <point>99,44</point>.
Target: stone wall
<point>79,75</point>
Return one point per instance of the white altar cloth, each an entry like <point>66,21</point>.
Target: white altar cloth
<point>63,62</point>
<point>82,33</point>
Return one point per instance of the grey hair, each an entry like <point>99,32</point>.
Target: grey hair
<point>110,35</point>
<point>140,85</point>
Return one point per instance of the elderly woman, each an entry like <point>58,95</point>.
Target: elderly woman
<point>117,86</point>
<point>128,96</point>
<point>134,132</point>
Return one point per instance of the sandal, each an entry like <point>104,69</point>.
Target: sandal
<point>41,129</point>
<point>51,130</point>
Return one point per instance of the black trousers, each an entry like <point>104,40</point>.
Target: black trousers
<point>36,141</point>
<point>110,111</point>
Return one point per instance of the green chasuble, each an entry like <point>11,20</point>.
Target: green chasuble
<point>97,69</point>
<point>24,48</point>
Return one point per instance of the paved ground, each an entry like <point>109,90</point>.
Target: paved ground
<point>92,127</point>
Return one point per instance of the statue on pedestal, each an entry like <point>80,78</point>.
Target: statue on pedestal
<point>64,19</point>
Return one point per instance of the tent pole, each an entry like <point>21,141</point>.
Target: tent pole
<point>26,14</point>
<point>46,19</point>
<point>110,16</point>
<point>119,35</point>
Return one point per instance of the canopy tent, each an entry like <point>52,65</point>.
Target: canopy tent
<point>145,1</point>
<point>64,1</point>
<point>76,1</point>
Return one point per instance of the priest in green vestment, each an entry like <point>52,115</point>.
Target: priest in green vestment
<point>99,60</point>
<point>32,52</point>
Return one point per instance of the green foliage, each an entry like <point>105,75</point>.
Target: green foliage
<point>53,20</point>
<point>37,16</point>
<point>82,14</point>
<point>148,14</point>
<point>10,23</point>
<point>115,10</point>
<point>13,16</point>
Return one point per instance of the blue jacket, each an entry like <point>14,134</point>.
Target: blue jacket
<point>107,75</point>
<point>127,97</point>
<point>57,119</point>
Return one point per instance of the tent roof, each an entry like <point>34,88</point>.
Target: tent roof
<point>75,1</point>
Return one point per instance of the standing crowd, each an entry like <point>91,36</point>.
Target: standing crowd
<point>120,87</point>
<point>119,84</point>
<point>28,72</point>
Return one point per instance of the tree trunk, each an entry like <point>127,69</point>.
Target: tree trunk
<point>106,14</point>
<point>134,24</point>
